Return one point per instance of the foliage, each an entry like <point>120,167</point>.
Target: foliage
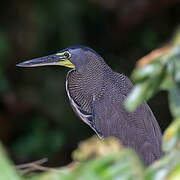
<point>155,72</point>
<point>7,171</point>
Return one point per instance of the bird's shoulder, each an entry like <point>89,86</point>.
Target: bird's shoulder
<point>121,83</point>
<point>111,106</point>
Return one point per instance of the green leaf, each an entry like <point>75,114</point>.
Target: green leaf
<point>171,136</point>
<point>146,72</point>
<point>7,171</point>
<point>176,39</point>
<point>50,175</point>
<point>136,96</point>
<point>175,174</point>
<point>167,82</point>
<point>176,69</point>
<point>161,169</point>
<point>174,101</point>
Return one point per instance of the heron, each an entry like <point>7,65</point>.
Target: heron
<point>97,94</point>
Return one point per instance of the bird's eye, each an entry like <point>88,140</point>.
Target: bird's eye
<point>67,55</point>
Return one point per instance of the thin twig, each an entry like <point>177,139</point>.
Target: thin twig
<point>34,166</point>
<point>42,168</point>
<point>153,55</point>
<point>26,165</point>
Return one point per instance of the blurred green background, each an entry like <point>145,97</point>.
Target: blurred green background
<point>36,119</point>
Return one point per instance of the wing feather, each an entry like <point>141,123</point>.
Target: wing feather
<point>138,130</point>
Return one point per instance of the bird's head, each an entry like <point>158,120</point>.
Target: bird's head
<point>72,57</point>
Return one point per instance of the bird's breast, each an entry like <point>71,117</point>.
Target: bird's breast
<point>78,93</point>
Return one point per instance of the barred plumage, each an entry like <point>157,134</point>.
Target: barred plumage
<point>96,90</point>
<point>97,95</point>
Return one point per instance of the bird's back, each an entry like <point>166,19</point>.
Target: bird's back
<point>97,95</point>
<point>138,130</point>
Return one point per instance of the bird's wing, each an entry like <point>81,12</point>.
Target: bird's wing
<point>111,118</point>
<point>138,130</point>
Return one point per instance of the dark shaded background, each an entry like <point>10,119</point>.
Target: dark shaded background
<point>36,119</point>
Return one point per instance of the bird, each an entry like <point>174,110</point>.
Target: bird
<point>97,95</point>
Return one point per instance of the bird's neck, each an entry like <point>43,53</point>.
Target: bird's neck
<point>85,84</point>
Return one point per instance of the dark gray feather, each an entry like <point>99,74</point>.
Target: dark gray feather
<point>97,95</point>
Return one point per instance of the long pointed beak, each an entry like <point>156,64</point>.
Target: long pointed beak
<point>53,59</point>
